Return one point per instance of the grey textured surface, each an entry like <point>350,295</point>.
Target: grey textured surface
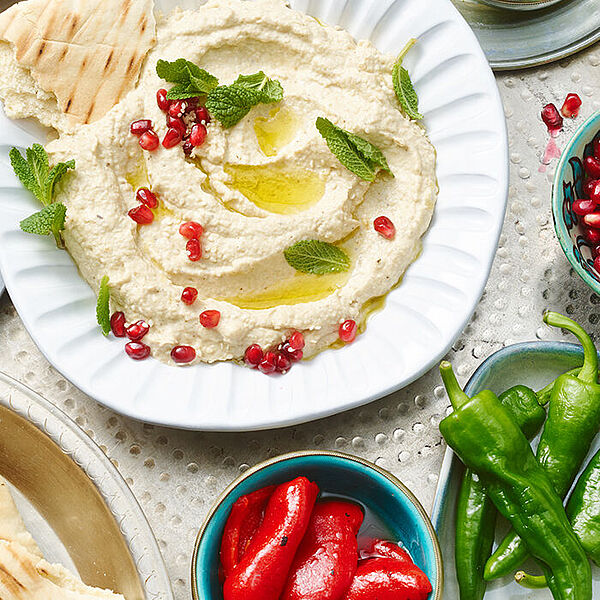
<point>177,475</point>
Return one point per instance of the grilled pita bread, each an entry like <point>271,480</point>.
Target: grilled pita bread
<point>24,576</point>
<point>88,53</point>
<point>12,528</point>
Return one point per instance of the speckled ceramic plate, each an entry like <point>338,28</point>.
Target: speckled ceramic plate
<point>516,39</point>
<point>465,121</point>
<point>73,500</point>
<point>534,364</point>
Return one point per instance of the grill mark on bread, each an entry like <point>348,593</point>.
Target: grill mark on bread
<point>10,581</point>
<point>110,56</point>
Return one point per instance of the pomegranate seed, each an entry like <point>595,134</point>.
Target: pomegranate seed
<point>145,196</point>
<point>591,189</point>
<point>194,250</point>
<point>210,318</point>
<point>177,123</point>
<point>142,215</point>
<point>172,138</point>
<point>592,220</point>
<point>187,147</point>
<point>584,207</point>
<point>253,355</point>
<point>137,350</point>
<point>552,118</point>
<point>384,227</point>
<point>141,126</point>
<point>267,364</point>
<point>296,355</point>
<point>177,108</point>
<point>347,331</point>
<point>296,341</point>
<point>189,295</point>
<point>192,102</point>
<point>596,251</point>
<point>191,230</point>
<point>136,331</point>
<point>149,140</point>
<point>202,115</point>
<point>117,324</point>
<point>161,99</point>
<point>198,135</point>
<point>571,106</point>
<point>282,362</point>
<point>592,166</point>
<point>597,264</point>
<point>591,235</point>
<point>183,354</point>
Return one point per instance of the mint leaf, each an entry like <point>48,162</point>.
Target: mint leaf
<point>49,220</point>
<point>103,306</point>
<point>231,103</point>
<point>403,87</point>
<point>317,257</point>
<point>191,80</point>
<point>355,153</point>
<point>270,89</point>
<point>35,174</point>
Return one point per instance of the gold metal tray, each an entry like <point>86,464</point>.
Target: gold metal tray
<point>73,500</point>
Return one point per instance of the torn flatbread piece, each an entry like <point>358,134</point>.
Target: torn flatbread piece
<point>87,53</point>
<point>12,527</point>
<point>24,576</point>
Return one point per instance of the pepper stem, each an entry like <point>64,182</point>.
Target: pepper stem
<point>532,582</point>
<point>455,392</point>
<point>589,370</point>
<point>546,392</point>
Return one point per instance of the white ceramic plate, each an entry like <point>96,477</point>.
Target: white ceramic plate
<point>465,120</point>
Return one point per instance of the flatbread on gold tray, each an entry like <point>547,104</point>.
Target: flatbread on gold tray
<point>24,576</point>
<point>12,527</point>
<point>87,53</point>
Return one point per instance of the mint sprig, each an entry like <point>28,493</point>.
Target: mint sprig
<point>357,154</point>
<point>103,306</point>
<point>316,257</point>
<point>270,89</point>
<point>189,79</point>
<point>49,220</point>
<point>403,87</point>
<point>35,174</point>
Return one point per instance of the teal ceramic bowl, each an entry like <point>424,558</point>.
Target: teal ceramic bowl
<point>568,187</point>
<point>521,4</point>
<point>391,503</point>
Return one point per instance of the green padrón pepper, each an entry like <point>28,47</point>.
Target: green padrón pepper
<point>487,439</point>
<point>476,513</point>
<point>573,422</point>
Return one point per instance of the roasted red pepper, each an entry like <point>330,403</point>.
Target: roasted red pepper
<point>328,555</point>
<point>385,549</point>
<point>388,579</point>
<point>262,572</point>
<point>244,520</point>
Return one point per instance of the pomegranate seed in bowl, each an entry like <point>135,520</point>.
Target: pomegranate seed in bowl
<point>137,350</point>
<point>193,250</point>
<point>347,331</point>
<point>571,106</point>
<point>140,126</point>
<point>210,318</point>
<point>189,295</point>
<point>592,166</point>
<point>584,207</point>
<point>384,227</point>
<point>145,196</point>
<point>592,220</point>
<point>591,235</point>
<point>183,354</point>
<point>149,141</point>
<point>592,189</point>
<point>172,138</point>
<point>161,99</point>
<point>191,230</point>
<point>141,214</point>
<point>117,324</point>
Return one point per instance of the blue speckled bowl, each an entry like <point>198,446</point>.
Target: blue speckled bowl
<point>568,187</point>
<point>337,474</point>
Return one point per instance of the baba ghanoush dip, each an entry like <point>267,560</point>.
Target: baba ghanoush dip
<point>263,204</point>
